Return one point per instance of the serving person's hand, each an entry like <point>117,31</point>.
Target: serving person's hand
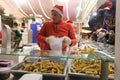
<point>48,39</point>
<point>67,40</point>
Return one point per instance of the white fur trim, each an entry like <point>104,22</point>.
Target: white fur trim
<point>56,9</point>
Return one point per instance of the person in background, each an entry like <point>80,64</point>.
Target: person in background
<point>101,36</point>
<point>111,37</point>
<point>17,32</point>
<point>107,5</point>
<point>56,28</point>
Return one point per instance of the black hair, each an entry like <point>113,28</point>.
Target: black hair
<point>15,24</point>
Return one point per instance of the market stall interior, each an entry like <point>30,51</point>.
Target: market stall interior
<point>92,58</point>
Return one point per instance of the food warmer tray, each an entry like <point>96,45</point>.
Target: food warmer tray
<point>17,68</point>
<point>78,74</point>
<point>81,76</point>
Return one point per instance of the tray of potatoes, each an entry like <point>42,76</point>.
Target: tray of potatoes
<point>88,67</point>
<point>45,66</point>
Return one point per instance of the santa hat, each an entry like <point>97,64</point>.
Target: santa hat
<point>59,9</point>
<point>106,5</point>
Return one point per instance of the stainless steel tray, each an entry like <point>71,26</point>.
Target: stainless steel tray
<point>78,74</point>
<point>70,73</point>
<point>17,68</point>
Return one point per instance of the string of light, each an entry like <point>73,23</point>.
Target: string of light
<point>89,8</point>
<point>53,2</point>
<point>31,7</point>
<point>8,3</point>
<point>86,6</point>
<point>20,8</point>
<point>43,9</point>
<point>79,10</point>
<point>67,10</point>
<point>42,4</point>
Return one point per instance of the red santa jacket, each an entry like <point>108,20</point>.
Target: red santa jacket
<point>58,30</point>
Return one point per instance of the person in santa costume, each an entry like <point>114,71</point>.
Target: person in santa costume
<point>56,28</point>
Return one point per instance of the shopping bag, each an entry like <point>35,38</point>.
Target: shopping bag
<point>56,45</point>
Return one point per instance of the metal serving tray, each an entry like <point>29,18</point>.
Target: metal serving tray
<point>17,68</point>
<point>81,76</point>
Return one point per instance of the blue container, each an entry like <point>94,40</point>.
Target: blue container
<point>33,27</point>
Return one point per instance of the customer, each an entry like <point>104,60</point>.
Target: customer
<point>56,28</point>
<point>17,31</point>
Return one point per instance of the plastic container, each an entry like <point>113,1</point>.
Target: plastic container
<point>31,77</point>
<point>4,73</point>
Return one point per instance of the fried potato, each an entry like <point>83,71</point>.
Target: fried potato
<point>47,66</point>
